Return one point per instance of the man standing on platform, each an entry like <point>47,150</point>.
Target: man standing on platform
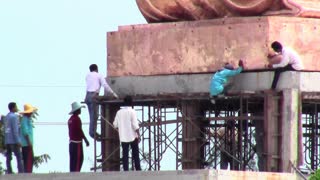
<point>94,81</point>
<point>27,137</point>
<point>76,136</point>
<point>283,59</point>
<point>127,123</point>
<point>12,138</point>
<point>228,141</point>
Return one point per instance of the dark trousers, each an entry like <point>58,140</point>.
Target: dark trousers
<point>277,73</point>
<point>15,149</point>
<point>135,154</point>
<point>76,156</point>
<point>27,154</point>
<point>225,159</point>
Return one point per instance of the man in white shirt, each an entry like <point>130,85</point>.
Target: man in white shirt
<point>127,123</point>
<point>284,59</point>
<point>94,81</point>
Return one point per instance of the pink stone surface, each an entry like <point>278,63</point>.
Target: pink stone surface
<point>182,10</point>
<point>204,46</point>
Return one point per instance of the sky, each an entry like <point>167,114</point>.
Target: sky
<point>46,48</point>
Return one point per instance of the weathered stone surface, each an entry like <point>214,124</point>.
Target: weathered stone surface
<point>198,84</point>
<point>204,46</point>
<point>181,10</point>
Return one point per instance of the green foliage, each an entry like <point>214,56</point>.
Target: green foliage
<point>2,146</point>
<point>1,169</point>
<point>38,160</point>
<point>315,176</point>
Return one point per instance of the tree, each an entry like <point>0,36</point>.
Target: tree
<point>316,175</point>
<point>38,160</point>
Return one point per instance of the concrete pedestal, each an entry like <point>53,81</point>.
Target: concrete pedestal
<point>205,46</point>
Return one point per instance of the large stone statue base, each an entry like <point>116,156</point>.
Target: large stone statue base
<point>204,46</point>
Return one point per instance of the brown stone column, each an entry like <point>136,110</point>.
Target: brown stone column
<point>272,132</point>
<point>193,137</point>
<point>110,146</point>
<point>289,131</point>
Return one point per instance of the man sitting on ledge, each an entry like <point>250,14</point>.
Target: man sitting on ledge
<point>283,59</point>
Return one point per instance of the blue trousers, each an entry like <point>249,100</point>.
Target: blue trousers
<point>16,150</point>
<point>93,112</point>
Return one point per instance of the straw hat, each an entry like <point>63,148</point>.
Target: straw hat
<point>75,106</point>
<point>28,108</point>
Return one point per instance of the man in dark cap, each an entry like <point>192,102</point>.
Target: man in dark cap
<point>221,78</point>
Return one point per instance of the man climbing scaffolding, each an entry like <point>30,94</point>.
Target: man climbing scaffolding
<point>94,82</point>
<point>219,81</point>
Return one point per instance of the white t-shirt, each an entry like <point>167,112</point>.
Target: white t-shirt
<point>127,123</point>
<point>289,56</point>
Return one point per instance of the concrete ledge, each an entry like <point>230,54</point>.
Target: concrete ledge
<point>199,83</point>
<point>158,175</point>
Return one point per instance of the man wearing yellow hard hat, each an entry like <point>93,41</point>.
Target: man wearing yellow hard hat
<point>27,137</point>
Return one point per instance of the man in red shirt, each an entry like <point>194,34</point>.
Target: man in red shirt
<point>76,136</point>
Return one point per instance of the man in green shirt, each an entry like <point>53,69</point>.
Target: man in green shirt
<point>27,137</point>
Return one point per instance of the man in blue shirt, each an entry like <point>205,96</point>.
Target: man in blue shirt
<point>12,138</point>
<point>221,78</point>
<point>27,137</point>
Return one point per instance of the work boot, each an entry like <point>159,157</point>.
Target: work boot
<point>212,99</point>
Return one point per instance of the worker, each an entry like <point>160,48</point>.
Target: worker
<point>76,136</point>
<point>227,144</point>
<point>12,138</point>
<point>220,79</point>
<point>94,81</point>
<point>27,136</point>
<point>127,123</point>
<point>283,59</point>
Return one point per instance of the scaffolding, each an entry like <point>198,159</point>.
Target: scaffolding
<point>184,133</point>
<point>310,117</point>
